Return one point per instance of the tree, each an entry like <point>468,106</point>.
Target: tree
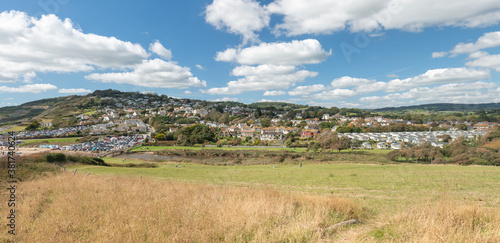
<point>461,126</point>
<point>327,139</point>
<point>160,137</point>
<point>195,134</point>
<point>258,112</point>
<point>313,147</point>
<point>224,118</point>
<point>342,143</point>
<point>33,126</point>
<point>265,122</point>
<point>394,155</point>
<point>326,125</point>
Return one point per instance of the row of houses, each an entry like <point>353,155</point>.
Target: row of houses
<point>268,133</point>
<point>436,138</point>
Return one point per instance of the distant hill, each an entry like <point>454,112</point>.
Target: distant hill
<point>40,108</point>
<point>280,105</point>
<point>443,107</point>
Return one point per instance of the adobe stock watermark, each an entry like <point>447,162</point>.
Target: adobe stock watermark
<point>11,183</point>
<point>361,40</point>
<point>51,6</point>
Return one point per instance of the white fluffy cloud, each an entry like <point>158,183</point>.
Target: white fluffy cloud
<point>486,60</point>
<point>270,65</point>
<point>478,57</point>
<point>439,76</point>
<point>262,70</point>
<point>325,17</point>
<point>274,93</point>
<point>439,54</point>
<point>160,50</point>
<point>296,52</point>
<point>263,77</point>
<point>154,73</point>
<point>306,90</point>
<point>48,44</point>
<point>335,94</point>
<point>347,81</point>
<point>297,17</point>
<point>30,88</point>
<point>431,77</point>
<point>226,99</point>
<point>243,17</point>
<point>73,91</point>
<point>488,40</point>
<point>476,92</point>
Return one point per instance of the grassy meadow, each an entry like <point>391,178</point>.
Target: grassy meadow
<point>160,148</point>
<point>51,141</point>
<point>193,202</point>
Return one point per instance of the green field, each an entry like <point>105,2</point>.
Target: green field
<point>53,141</point>
<point>383,187</point>
<point>14,129</point>
<point>159,148</point>
<point>120,161</point>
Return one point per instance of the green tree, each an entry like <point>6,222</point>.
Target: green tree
<point>160,137</point>
<point>342,143</point>
<point>33,126</point>
<point>461,126</point>
<point>224,118</point>
<point>265,122</point>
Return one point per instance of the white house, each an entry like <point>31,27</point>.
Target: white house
<point>381,145</point>
<point>367,145</point>
<point>396,146</point>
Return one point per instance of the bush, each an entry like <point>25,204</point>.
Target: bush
<point>394,155</point>
<point>55,157</point>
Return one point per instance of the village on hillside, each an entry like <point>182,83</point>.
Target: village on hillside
<point>158,118</point>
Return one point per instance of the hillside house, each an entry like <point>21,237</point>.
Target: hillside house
<point>308,133</point>
<point>226,133</point>
<point>290,129</point>
<point>247,133</point>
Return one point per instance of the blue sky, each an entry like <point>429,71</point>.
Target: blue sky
<point>364,54</point>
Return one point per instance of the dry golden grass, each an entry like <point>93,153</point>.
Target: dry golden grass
<point>445,221</point>
<point>67,208</point>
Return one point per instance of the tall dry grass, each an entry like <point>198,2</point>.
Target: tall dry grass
<point>444,221</point>
<point>67,208</point>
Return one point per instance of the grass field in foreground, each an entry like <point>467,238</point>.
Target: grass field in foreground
<point>387,187</point>
<point>259,203</point>
<point>80,208</point>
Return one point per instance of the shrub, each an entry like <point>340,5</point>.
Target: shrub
<point>55,157</point>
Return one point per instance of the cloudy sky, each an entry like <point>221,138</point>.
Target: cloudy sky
<point>364,54</point>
